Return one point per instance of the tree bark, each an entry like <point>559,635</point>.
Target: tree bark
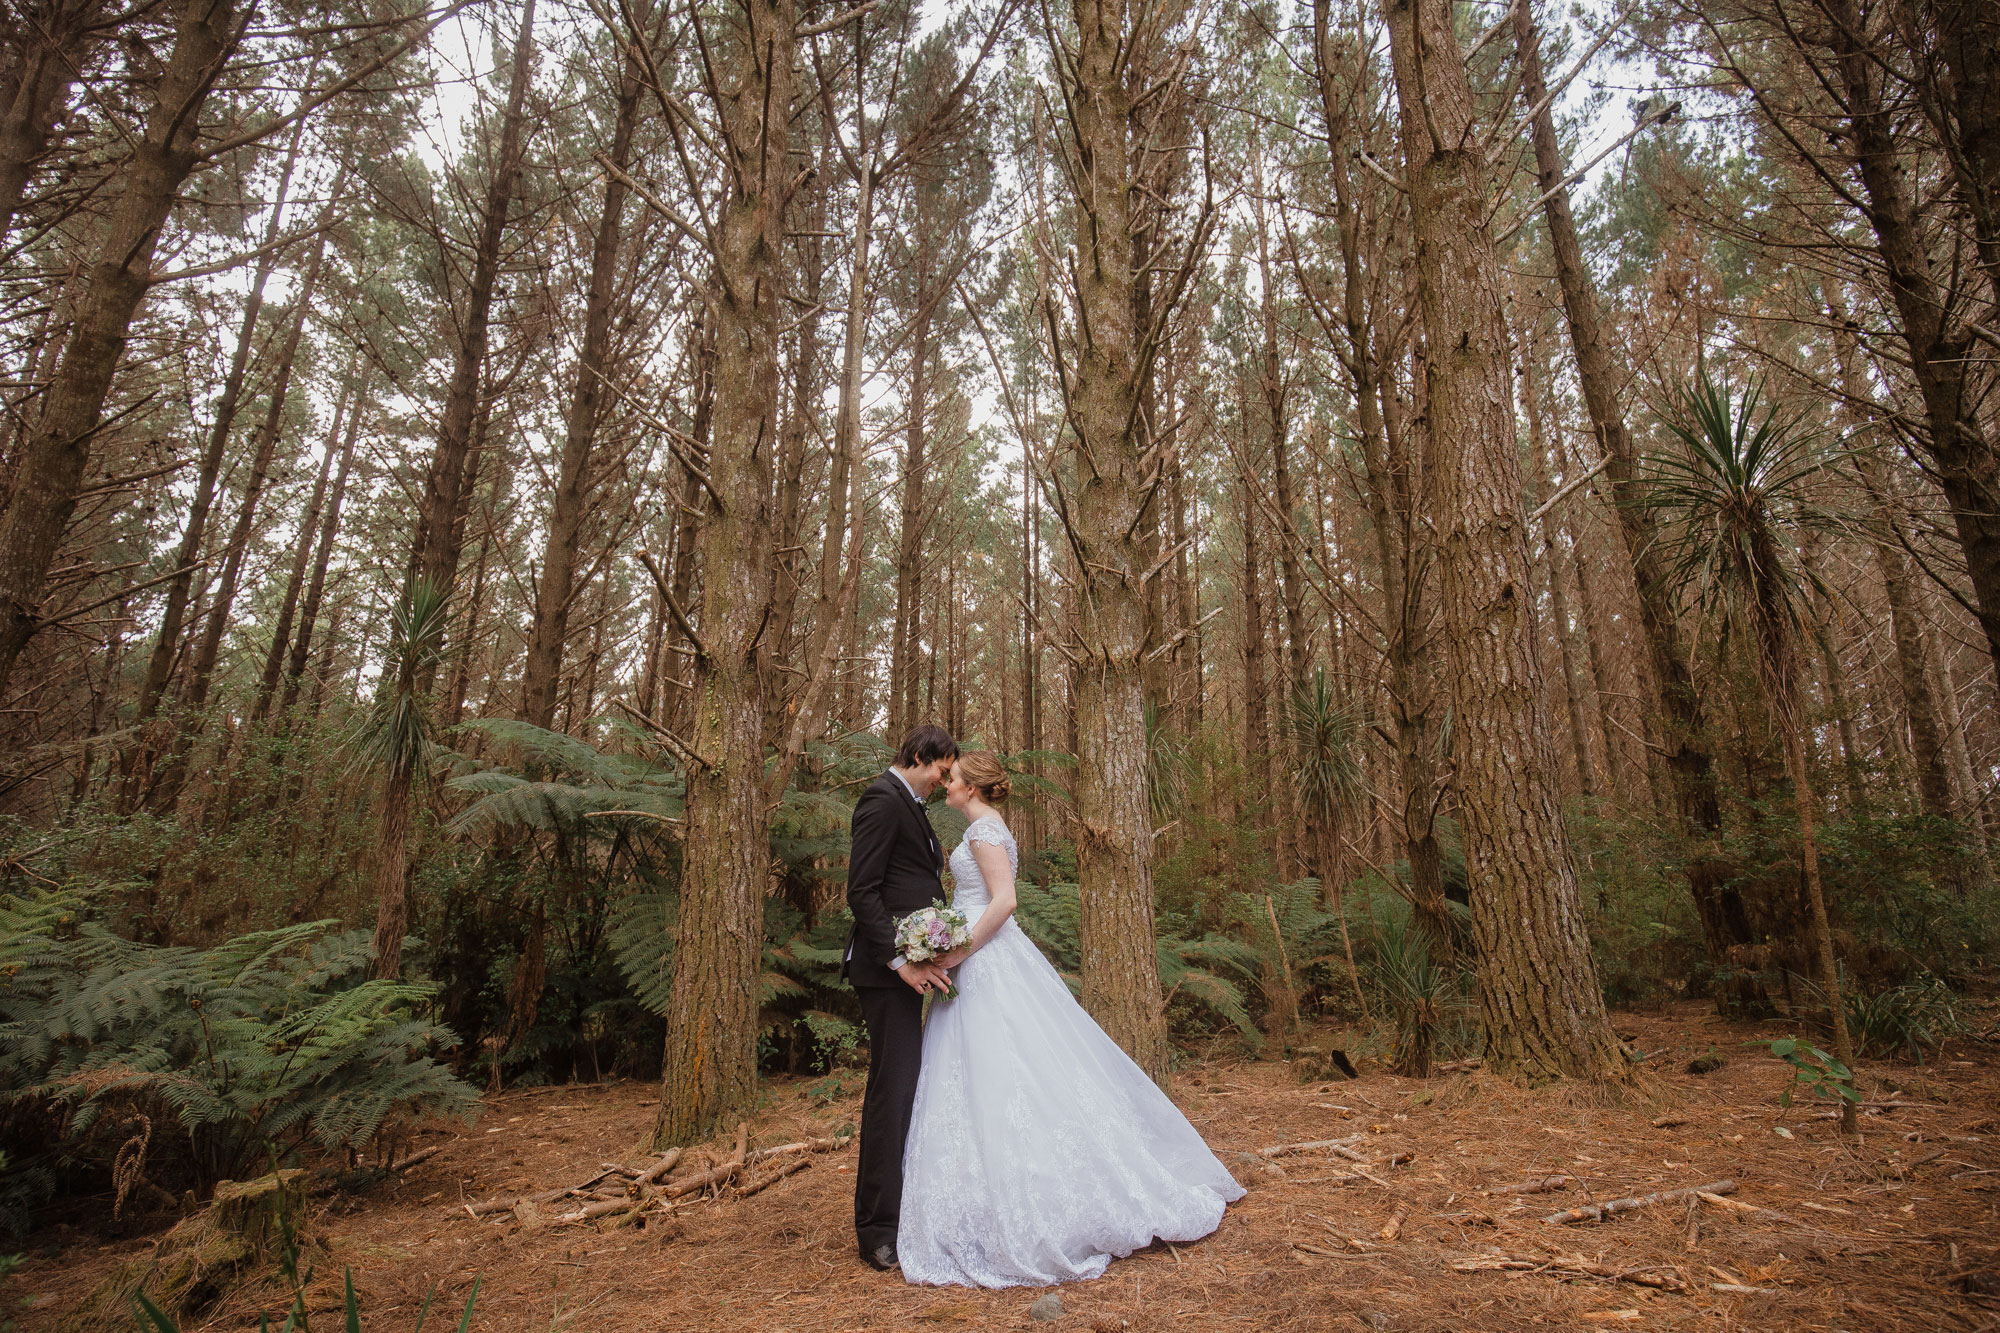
<point>575,479</point>
<point>288,607</point>
<point>1121,986</point>
<point>167,646</point>
<point>1684,724</point>
<point>41,58</point>
<point>711,1051</point>
<point>434,550</point>
<point>265,449</point>
<point>329,529</point>
<point>1543,1011</point>
<point>1941,360</point>
<point>116,277</point>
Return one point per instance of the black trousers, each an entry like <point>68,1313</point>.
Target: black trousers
<point>895,1018</point>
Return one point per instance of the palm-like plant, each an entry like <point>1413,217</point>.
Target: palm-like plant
<point>1728,500</point>
<point>1326,776</point>
<point>396,738</point>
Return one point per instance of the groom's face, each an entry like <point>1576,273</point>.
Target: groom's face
<point>926,777</point>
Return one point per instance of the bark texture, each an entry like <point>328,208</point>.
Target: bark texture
<point>115,278</point>
<point>575,478</point>
<point>435,549</point>
<point>1121,983</point>
<point>711,1054</point>
<point>1684,727</point>
<point>1539,995</point>
<point>1940,346</point>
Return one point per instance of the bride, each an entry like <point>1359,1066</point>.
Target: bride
<point>1038,1150</point>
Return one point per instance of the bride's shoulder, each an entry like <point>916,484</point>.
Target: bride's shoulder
<point>989,828</point>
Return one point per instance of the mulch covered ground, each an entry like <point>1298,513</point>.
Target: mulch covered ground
<point>1897,1231</point>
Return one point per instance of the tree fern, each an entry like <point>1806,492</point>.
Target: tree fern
<point>268,1040</point>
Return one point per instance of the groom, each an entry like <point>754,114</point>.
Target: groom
<point>892,870</point>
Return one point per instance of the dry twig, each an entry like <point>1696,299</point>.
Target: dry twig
<point>1597,1212</point>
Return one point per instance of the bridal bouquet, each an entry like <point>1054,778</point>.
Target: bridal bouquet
<point>934,931</point>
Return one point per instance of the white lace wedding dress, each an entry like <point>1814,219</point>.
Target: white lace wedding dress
<point>1038,1150</point>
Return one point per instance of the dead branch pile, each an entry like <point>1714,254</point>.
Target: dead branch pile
<point>624,1192</point>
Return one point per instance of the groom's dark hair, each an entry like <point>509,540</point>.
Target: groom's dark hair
<point>926,745</point>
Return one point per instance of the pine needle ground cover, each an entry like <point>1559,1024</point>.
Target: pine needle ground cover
<point>1894,1232</point>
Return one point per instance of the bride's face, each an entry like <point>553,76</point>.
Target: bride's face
<point>958,793</point>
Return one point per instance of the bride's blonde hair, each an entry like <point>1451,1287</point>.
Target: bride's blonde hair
<point>982,768</point>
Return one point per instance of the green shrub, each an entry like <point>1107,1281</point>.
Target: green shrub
<point>271,1041</point>
<point>1917,1016</point>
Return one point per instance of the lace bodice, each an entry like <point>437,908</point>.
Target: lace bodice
<point>969,892</point>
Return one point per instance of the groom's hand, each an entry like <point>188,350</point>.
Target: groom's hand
<point>922,976</point>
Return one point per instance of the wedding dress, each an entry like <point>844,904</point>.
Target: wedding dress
<point>1038,1150</point>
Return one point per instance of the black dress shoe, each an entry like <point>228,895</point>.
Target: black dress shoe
<point>882,1259</point>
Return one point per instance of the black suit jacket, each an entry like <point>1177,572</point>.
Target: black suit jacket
<point>893,869</point>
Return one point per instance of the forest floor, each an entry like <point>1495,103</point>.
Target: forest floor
<point>1897,1231</point>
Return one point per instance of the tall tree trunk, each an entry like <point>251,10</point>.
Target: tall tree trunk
<point>847,420</point>
<point>1391,462</point>
<point>264,450</point>
<point>694,507</point>
<point>329,529</point>
<point>48,44</point>
<point>1965,36</point>
<point>392,875</point>
<point>1941,354</point>
<point>905,635</point>
<point>1121,985</point>
<point>1539,996</point>
<point>808,389</point>
<point>569,510</point>
<point>711,1052</point>
<point>1271,378</point>
<point>1684,726</point>
<point>435,547</point>
<point>167,646</point>
<point>569,503</point>
<point>1256,690</point>
<point>288,607</point>
<point>117,275</point>
<point>1579,729</point>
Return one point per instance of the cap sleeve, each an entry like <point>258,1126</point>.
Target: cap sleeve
<point>989,829</point>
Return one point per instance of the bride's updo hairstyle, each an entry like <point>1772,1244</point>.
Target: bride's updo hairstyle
<point>982,769</point>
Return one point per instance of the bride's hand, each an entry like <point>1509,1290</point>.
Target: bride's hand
<point>953,959</point>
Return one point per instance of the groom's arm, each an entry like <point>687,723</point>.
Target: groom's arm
<point>871,837</point>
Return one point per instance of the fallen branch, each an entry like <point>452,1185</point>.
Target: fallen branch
<point>491,1206</point>
<point>770,1178</point>
<point>1738,1206</point>
<point>1661,1277</point>
<point>716,1175</point>
<point>804,1146</point>
<point>1316,1145</point>
<point>1597,1212</point>
<point>419,1157</point>
<point>1323,1252</point>
<point>1394,1226</point>
<point>1546,1185</point>
<point>658,1170</point>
